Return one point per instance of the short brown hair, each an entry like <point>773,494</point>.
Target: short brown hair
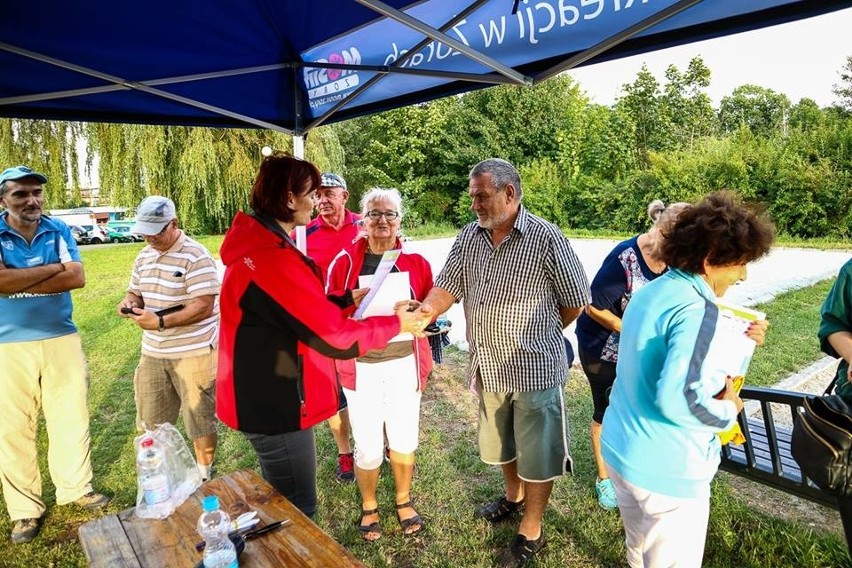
<point>719,228</point>
<point>279,177</point>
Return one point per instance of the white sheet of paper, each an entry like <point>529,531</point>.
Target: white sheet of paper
<point>395,288</point>
<point>374,282</point>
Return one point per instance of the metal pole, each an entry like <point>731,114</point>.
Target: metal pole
<point>299,147</point>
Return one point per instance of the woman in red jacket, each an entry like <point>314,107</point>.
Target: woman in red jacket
<point>279,331</point>
<point>383,386</point>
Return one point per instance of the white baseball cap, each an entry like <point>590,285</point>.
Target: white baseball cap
<point>153,214</point>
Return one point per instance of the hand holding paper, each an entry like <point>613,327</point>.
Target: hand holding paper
<point>757,331</point>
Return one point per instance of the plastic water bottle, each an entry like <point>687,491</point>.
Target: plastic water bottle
<point>443,322</point>
<point>153,475</point>
<point>214,525</point>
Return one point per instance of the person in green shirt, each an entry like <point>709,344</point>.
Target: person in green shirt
<point>835,328</point>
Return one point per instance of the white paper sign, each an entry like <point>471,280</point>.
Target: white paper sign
<point>395,288</point>
<point>374,282</point>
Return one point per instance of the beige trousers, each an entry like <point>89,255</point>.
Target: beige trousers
<point>48,374</point>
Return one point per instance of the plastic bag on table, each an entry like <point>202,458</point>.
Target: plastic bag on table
<point>167,476</point>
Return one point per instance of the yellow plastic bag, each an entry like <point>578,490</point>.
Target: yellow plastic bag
<point>734,435</point>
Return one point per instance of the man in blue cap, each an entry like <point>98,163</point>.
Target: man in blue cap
<point>43,362</point>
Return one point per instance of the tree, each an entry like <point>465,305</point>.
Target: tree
<point>686,104</point>
<point>641,101</point>
<point>761,110</point>
<point>843,90</point>
<point>46,146</point>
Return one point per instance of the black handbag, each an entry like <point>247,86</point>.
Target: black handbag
<point>821,443</point>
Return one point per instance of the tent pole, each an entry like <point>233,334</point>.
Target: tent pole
<point>373,80</point>
<point>141,87</point>
<point>437,35</point>
<point>611,42</point>
<point>299,147</point>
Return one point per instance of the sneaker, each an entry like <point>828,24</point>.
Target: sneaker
<point>24,530</point>
<point>521,551</point>
<point>606,494</point>
<point>92,500</point>
<point>345,468</point>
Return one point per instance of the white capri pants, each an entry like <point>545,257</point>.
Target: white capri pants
<point>386,399</point>
<point>661,531</point>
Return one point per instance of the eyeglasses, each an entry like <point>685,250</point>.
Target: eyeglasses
<point>163,230</point>
<point>389,215</point>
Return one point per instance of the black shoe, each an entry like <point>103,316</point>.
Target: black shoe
<point>499,510</point>
<point>25,530</point>
<point>521,551</point>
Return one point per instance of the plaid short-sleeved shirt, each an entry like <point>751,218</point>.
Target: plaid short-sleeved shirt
<point>512,295</point>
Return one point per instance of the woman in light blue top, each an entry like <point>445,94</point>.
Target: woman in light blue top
<point>671,395</point>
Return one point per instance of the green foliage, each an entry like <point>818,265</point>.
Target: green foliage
<point>761,110</point>
<point>843,90</point>
<point>584,166</point>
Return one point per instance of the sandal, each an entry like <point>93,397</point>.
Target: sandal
<point>407,524</point>
<point>374,527</point>
<point>499,510</point>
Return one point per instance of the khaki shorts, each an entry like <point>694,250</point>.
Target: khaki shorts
<point>165,387</point>
<point>529,427</point>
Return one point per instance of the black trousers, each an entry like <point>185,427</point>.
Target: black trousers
<point>289,463</point>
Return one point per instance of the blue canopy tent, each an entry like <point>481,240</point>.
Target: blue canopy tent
<point>290,65</point>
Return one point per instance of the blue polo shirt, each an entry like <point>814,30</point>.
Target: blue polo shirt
<point>31,317</point>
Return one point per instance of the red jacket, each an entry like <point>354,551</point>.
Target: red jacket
<point>278,332</point>
<point>343,274</point>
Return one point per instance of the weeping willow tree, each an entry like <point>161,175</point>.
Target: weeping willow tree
<point>207,172</point>
<point>49,147</point>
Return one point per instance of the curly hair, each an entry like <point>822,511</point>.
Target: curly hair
<point>279,177</point>
<point>721,229</point>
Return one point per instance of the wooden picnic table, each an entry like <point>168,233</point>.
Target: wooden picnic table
<point>123,540</point>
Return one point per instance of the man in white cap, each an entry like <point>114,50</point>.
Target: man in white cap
<point>334,228</point>
<point>172,298</point>
<point>43,362</point>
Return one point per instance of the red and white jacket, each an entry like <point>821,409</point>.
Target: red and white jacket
<point>279,332</point>
<point>343,275</point>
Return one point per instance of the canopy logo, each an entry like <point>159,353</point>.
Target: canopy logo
<point>326,86</point>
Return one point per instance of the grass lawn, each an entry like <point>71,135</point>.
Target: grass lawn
<point>450,480</point>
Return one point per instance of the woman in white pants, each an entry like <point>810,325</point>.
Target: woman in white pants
<point>673,392</point>
<point>383,387</point>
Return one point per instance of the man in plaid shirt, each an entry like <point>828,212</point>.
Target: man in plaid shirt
<point>521,283</point>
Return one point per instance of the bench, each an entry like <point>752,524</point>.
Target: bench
<point>765,456</point>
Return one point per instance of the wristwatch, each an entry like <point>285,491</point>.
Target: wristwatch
<point>162,326</point>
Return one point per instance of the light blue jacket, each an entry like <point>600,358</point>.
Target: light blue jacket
<point>659,431</point>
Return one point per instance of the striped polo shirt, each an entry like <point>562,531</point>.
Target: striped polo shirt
<point>163,279</point>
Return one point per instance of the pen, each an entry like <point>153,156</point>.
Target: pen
<point>263,530</point>
<point>250,534</point>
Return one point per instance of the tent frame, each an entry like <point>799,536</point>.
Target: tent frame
<point>500,73</point>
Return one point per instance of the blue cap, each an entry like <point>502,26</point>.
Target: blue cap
<point>19,172</point>
<point>210,503</point>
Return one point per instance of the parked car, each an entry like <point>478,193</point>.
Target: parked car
<point>96,235</point>
<point>126,231</point>
<point>115,236</point>
<point>81,235</point>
